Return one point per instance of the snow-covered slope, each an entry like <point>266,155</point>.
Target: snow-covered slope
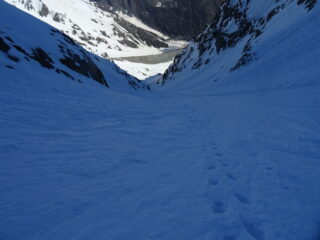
<point>255,35</point>
<point>31,48</point>
<point>98,29</point>
<point>211,155</point>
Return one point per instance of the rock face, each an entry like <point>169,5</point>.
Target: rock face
<point>176,18</point>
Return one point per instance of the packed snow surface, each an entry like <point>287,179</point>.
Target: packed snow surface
<point>88,163</point>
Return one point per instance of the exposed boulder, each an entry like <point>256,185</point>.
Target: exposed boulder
<point>44,11</point>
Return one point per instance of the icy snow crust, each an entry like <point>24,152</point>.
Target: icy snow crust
<point>199,159</point>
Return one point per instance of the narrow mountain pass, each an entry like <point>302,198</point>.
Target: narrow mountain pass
<point>224,146</point>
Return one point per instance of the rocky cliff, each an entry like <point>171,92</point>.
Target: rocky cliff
<point>176,18</point>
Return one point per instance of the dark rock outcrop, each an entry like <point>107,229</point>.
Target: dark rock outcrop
<point>44,11</point>
<point>4,47</point>
<point>43,58</point>
<point>84,66</point>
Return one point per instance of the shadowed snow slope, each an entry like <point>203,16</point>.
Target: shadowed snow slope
<point>235,159</point>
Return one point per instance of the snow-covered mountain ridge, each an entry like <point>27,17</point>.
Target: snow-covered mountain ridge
<point>99,29</point>
<point>241,28</point>
<point>30,47</point>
